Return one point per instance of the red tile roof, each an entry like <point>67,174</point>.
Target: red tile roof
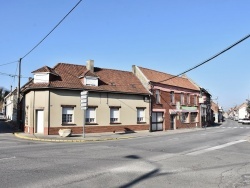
<point>45,69</point>
<point>69,77</point>
<point>160,77</point>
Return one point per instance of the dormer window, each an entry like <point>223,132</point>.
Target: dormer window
<point>90,81</point>
<point>41,78</point>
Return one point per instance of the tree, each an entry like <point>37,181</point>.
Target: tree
<point>3,93</point>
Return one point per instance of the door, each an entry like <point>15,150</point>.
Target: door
<point>39,121</point>
<point>157,121</point>
<point>172,122</point>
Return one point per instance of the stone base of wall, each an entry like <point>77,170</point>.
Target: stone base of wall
<point>100,129</point>
<point>28,130</point>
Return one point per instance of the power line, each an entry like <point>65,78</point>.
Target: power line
<point>216,55</point>
<point>8,63</point>
<point>51,30</point>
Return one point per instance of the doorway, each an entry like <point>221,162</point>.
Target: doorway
<point>39,121</point>
<point>172,122</point>
<point>157,121</point>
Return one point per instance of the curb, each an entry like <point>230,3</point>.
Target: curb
<point>56,140</point>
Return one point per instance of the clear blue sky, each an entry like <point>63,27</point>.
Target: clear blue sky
<point>165,35</point>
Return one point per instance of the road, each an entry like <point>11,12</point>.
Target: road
<point>215,157</point>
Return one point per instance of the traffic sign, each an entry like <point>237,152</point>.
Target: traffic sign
<point>84,100</point>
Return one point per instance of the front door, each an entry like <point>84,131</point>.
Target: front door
<point>157,121</point>
<point>172,122</point>
<point>39,121</point>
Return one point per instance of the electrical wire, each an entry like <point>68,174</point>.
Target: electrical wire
<point>216,55</point>
<point>8,63</point>
<point>51,31</point>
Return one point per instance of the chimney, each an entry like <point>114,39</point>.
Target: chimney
<point>90,65</point>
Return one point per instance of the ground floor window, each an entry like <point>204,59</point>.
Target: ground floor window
<point>184,117</point>
<point>90,115</point>
<point>67,114</point>
<point>140,115</point>
<point>114,115</point>
<point>193,116</point>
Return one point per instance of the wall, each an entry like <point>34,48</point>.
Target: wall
<point>167,105</point>
<point>53,116</point>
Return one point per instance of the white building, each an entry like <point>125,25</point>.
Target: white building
<point>10,105</point>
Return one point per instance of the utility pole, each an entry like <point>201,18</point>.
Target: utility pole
<point>18,95</point>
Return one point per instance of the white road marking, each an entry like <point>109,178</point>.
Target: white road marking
<point>215,147</point>
<point>7,158</point>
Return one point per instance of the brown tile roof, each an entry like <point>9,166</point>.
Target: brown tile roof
<point>45,69</point>
<point>160,77</point>
<point>109,80</point>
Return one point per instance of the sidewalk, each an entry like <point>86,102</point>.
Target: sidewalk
<point>97,137</point>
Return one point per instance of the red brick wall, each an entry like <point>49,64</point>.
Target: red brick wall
<point>100,129</point>
<point>166,104</point>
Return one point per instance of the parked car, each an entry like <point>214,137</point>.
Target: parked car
<point>246,121</point>
<point>240,120</point>
<point>2,117</point>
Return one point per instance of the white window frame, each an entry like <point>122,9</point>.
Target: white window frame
<point>67,115</point>
<point>195,100</point>
<point>184,117</point>
<point>141,115</point>
<point>90,115</point>
<point>157,96</point>
<point>193,119</point>
<point>114,115</point>
<point>172,97</point>
<point>182,99</point>
<point>188,98</point>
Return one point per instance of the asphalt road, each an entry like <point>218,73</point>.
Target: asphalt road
<point>215,157</point>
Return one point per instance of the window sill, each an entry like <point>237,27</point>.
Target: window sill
<point>68,124</point>
<point>91,123</point>
<point>139,122</point>
<point>115,123</point>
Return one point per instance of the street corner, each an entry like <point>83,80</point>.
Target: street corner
<point>69,139</point>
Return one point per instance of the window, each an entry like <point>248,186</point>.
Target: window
<point>188,98</point>
<point>157,97</point>
<point>67,114</point>
<point>195,100</point>
<point>114,115</point>
<point>90,115</point>
<point>140,115</point>
<point>182,99</point>
<point>193,116</point>
<point>184,116</point>
<point>172,97</point>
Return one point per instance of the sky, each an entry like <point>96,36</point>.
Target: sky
<point>170,36</point>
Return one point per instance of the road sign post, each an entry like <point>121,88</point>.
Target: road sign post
<point>84,106</point>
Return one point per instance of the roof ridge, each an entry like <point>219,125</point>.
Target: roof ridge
<point>158,71</point>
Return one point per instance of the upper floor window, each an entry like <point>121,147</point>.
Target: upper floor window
<point>90,81</point>
<point>157,97</point>
<point>182,99</point>
<point>172,100</point>
<point>195,100</point>
<point>188,98</point>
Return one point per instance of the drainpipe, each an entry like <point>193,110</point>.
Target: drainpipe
<point>150,109</point>
<point>49,113</point>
